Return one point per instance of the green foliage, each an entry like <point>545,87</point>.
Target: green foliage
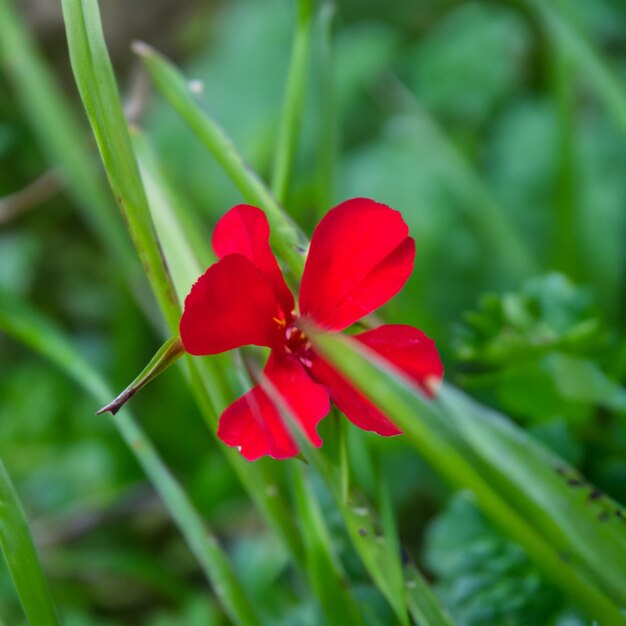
<point>484,579</point>
<point>497,130</point>
<point>546,355</point>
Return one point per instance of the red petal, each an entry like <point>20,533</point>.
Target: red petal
<point>254,424</point>
<point>360,257</point>
<point>231,305</point>
<point>408,348</point>
<point>244,230</point>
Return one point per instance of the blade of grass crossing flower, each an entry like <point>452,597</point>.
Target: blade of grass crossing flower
<point>98,90</point>
<point>287,140</point>
<point>286,237</point>
<point>418,418</point>
<point>424,606</point>
<point>325,573</point>
<point>60,136</point>
<point>21,557</point>
<point>28,327</point>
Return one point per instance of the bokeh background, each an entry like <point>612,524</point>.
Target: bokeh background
<point>500,135</point>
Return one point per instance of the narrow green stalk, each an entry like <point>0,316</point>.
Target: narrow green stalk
<point>26,326</point>
<point>329,126</point>
<point>60,136</point>
<point>421,421</point>
<point>565,231</point>
<point>263,492</point>
<point>374,551</point>
<point>325,573</point>
<point>424,606</point>
<point>596,69</point>
<point>286,237</point>
<point>289,130</point>
<point>98,90</point>
<point>21,557</point>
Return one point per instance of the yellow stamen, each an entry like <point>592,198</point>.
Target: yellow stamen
<point>281,322</point>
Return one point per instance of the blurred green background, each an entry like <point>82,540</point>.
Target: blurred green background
<point>495,127</point>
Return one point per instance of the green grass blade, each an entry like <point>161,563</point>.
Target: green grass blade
<point>286,237</point>
<point>581,523</point>
<point>431,430</point>
<point>329,124</point>
<point>596,70</point>
<point>287,139</point>
<point>424,606</point>
<point>98,90</point>
<point>61,138</point>
<point>21,557</point>
<point>375,552</point>
<point>26,326</point>
<point>325,574</point>
<point>187,253</point>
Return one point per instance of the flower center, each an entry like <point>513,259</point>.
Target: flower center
<point>295,340</point>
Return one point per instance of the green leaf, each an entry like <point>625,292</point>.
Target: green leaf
<point>548,313</point>
<point>98,90</point>
<point>482,577</point>
<point>516,482</point>
<point>21,557</point>
<point>324,570</point>
<point>424,605</point>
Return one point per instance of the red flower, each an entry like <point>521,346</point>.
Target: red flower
<point>360,256</point>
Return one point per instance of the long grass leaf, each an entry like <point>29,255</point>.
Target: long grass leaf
<point>98,90</point>
<point>596,69</point>
<point>21,557</point>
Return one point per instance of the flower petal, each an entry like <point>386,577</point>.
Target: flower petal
<point>254,424</point>
<point>244,230</point>
<point>360,257</point>
<point>408,348</point>
<point>230,305</point>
